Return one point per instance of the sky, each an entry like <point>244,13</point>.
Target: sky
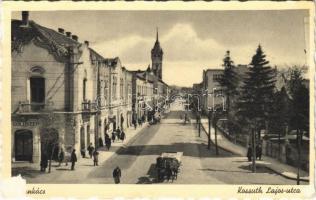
<point>191,40</point>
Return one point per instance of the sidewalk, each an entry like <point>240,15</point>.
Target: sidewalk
<point>271,163</point>
<point>31,171</point>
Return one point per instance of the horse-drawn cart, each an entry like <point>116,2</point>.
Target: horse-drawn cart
<point>168,165</point>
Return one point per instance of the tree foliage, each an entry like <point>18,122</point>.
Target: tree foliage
<point>229,80</point>
<point>258,89</point>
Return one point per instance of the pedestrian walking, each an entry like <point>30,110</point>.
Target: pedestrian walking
<point>106,136</point>
<point>118,133</point>
<point>73,159</point>
<point>83,153</point>
<point>90,150</point>
<point>108,143</point>
<point>249,152</point>
<point>95,158</point>
<point>113,136</point>
<point>135,125</point>
<point>44,162</point>
<point>122,121</point>
<point>258,151</point>
<point>61,156</point>
<point>100,142</point>
<point>122,136</point>
<point>140,122</point>
<point>117,175</point>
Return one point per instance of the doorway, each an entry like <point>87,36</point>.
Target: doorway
<point>23,145</point>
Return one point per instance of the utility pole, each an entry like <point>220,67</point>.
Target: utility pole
<point>199,122</point>
<point>298,136</point>
<point>209,130</point>
<point>215,127</point>
<point>253,138</point>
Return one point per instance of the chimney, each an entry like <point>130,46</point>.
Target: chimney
<point>86,43</point>
<point>61,30</point>
<point>25,18</point>
<point>74,37</point>
<point>68,34</point>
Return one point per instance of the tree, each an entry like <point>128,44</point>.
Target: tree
<point>229,80</point>
<point>257,92</point>
<point>300,110</point>
<point>299,97</point>
<point>280,114</point>
<point>229,85</point>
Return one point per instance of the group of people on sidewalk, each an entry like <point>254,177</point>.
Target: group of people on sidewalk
<point>258,152</point>
<point>117,135</point>
<point>61,158</point>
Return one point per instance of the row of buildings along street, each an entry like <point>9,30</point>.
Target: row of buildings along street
<point>65,94</point>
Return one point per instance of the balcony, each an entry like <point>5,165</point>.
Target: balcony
<point>88,106</point>
<point>27,107</point>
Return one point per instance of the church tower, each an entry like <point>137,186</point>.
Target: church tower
<point>156,58</point>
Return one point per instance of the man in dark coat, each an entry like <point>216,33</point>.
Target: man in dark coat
<point>90,150</point>
<point>118,133</point>
<point>117,175</point>
<point>61,156</point>
<point>73,159</point>
<point>44,162</point>
<point>106,136</point>
<point>108,143</point>
<point>83,152</point>
<point>113,136</point>
<point>249,152</point>
<point>100,142</point>
<point>123,136</point>
<point>95,158</point>
<point>259,151</point>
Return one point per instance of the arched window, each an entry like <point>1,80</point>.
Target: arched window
<point>37,88</point>
<point>84,90</point>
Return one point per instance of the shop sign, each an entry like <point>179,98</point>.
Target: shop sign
<point>30,122</point>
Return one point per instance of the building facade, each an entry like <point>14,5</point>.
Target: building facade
<point>53,82</point>
<point>66,95</point>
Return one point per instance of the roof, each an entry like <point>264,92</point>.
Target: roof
<point>50,39</point>
<point>112,62</point>
<point>157,48</point>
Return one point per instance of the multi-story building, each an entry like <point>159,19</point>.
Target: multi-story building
<point>53,84</point>
<point>212,96</point>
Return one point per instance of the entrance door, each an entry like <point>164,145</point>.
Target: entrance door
<point>23,145</point>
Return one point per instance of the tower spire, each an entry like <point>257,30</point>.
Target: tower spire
<point>157,34</point>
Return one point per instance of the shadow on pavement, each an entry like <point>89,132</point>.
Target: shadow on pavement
<point>27,172</point>
<point>259,168</point>
<point>144,180</point>
<point>220,170</point>
<point>63,169</point>
<point>186,148</point>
